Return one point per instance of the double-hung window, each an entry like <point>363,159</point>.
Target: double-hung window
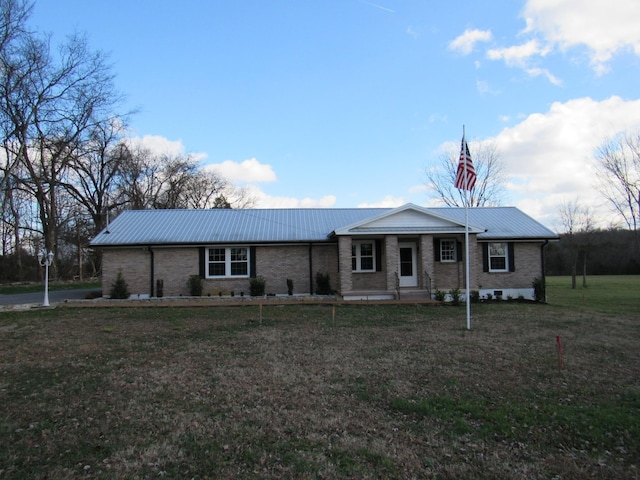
<point>448,250</point>
<point>363,256</point>
<point>498,257</point>
<point>227,262</point>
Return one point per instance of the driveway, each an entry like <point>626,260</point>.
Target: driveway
<point>37,298</point>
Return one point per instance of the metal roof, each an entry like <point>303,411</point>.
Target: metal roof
<point>188,227</point>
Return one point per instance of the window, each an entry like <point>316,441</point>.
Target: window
<point>498,255</point>
<point>363,256</point>
<point>227,262</point>
<point>448,251</point>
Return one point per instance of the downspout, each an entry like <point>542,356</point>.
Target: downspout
<point>544,279</point>
<point>310,269</point>
<point>152,273</point>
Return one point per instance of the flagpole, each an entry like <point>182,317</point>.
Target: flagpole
<point>466,232</point>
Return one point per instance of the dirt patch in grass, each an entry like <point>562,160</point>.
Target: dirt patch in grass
<point>372,392</point>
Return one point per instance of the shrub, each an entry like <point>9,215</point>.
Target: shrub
<point>323,284</point>
<point>195,285</point>
<point>289,286</point>
<point>475,296</point>
<point>119,288</point>
<point>440,295</point>
<point>455,295</point>
<point>539,289</point>
<point>257,286</point>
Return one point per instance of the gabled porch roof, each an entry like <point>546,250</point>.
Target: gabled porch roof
<point>407,219</point>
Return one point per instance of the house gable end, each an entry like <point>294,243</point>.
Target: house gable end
<point>406,219</point>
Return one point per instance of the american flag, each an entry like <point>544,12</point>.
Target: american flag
<point>465,180</point>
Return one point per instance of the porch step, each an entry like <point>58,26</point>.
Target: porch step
<point>413,294</point>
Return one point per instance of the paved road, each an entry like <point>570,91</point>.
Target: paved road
<point>38,297</point>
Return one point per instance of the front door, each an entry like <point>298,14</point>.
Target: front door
<point>407,265</point>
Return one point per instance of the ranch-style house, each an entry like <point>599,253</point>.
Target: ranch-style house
<point>368,253</point>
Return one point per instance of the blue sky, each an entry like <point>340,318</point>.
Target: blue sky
<point>345,103</point>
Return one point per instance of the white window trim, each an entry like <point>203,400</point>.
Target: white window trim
<point>358,244</point>
<point>506,257</point>
<point>227,262</point>
<point>455,250</point>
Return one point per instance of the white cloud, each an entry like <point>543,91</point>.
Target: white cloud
<point>264,200</point>
<point>413,32</point>
<point>550,156</point>
<point>484,88</point>
<point>160,145</point>
<point>605,28</point>
<point>518,55</point>
<point>387,202</point>
<point>466,42</point>
<point>248,171</point>
<point>535,72</point>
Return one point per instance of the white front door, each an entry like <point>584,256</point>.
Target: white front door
<point>407,265</point>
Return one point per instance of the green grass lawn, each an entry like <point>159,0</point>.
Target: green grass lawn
<point>604,293</point>
<point>362,391</point>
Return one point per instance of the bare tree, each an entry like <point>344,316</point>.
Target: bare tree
<point>94,170</point>
<point>48,104</point>
<point>489,188</point>
<point>618,163</point>
<point>578,225</point>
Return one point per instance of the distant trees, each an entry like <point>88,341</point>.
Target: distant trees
<point>577,222</point>
<point>616,254</point>
<point>490,184</point>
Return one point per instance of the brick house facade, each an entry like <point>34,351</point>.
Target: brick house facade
<point>367,253</point>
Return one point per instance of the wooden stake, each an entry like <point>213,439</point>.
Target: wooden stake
<point>559,342</point>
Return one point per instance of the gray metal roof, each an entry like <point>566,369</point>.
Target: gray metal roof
<point>188,227</point>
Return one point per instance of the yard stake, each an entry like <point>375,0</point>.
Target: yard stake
<point>333,314</point>
<point>260,303</point>
<point>559,342</point>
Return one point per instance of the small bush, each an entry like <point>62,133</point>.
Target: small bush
<point>539,289</point>
<point>290,286</point>
<point>195,285</point>
<point>440,295</point>
<point>257,286</point>
<point>323,284</point>
<point>119,288</point>
<point>475,296</point>
<point>455,296</point>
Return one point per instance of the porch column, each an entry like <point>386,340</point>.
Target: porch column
<point>344,259</point>
<point>391,254</point>
<point>427,261</point>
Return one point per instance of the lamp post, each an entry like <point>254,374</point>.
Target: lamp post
<point>46,258</point>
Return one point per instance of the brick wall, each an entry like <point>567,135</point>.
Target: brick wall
<point>528,267</point>
<point>174,266</point>
<point>134,263</point>
<point>344,249</point>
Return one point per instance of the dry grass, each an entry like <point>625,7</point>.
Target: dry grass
<point>381,392</point>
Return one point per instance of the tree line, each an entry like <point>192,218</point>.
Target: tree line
<point>597,252</point>
<point>66,162</point>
